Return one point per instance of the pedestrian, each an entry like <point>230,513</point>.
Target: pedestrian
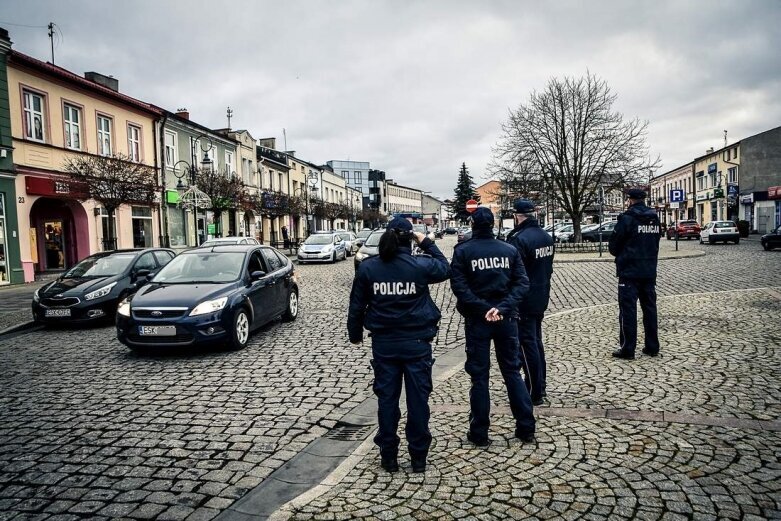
<point>390,297</point>
<point>489,280</point>
<point>285,237</point>
<point>536,249</point>
<point>635,245</point>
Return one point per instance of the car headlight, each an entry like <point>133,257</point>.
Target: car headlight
<point>36,295</point>
<point>327,249</point>
<point>360,256</point>
<point>209,306</point>
<point>124,308</point>
<point>102,292</point>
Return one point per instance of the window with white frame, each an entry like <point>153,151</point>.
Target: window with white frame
<point>346,175</point>
<point>700,183</point>
<point>134,143</point>
<point>245,170</point>
<point>104,136</point>
<point>357,177</point>
<point>170,149</point>
<point>212,155</point>
<point>72,119</point>
<point>732,175</point>
<point>34,116</point>
<point>229,161</point>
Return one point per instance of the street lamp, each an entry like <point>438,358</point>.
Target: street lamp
<point>192,198</point>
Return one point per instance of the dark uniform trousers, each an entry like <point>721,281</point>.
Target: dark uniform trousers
<point>504,333</point>
<point>393,360</point>
<point>629,291</point>
<point>532,353</point>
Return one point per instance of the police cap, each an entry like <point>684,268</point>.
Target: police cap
<point>635,193</point>
<point>523,206</point>
<point>482,218</point>
<point>401,224</point>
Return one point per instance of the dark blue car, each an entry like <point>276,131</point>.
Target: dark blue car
<point>210,295</point>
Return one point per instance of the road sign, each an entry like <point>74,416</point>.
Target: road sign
<point>675,206</point>
<point>471,205</point>
<point>677,196</point>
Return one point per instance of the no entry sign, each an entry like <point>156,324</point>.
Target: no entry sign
<point>471,205</point>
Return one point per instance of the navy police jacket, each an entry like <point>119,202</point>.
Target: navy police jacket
<point>635,243</point>
<point>536,249</point>
<point>486,274</point>
<point>392,299</point>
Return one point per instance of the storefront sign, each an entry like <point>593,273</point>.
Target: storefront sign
<point>702,197</point>
<point>51,187</point>
<point>747,199</point>
<point>712,168</point>
<point>171,196</point>
<point>774,192</point>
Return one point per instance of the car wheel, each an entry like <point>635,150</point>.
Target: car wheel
<point>701,240</point>
<point>333,258</point>
<point>240,330</point>
<point>737,241</point>
<point>766,247</point>
<point>292,307</point>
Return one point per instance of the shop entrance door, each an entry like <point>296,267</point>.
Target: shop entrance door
<point>54,245</point>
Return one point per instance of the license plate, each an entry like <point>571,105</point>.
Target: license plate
<point>57,313</point>
<point>157,330</point>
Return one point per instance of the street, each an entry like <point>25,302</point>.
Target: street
<point>90,430</point>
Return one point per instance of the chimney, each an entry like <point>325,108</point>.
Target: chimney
<point>709,151</point>
<point>268,142</point>
<point>5,42</point>
<point>107,81</point>
<point>183,113</point>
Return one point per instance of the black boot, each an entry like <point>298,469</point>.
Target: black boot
<point>389,463</point>
<point>619,353</point>
<point>418,463</point>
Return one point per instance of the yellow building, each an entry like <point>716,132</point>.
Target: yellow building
<point>715,180</point>
<point>56,114</point>
<point>681,178</point>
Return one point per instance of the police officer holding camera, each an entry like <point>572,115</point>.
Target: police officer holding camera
<point>536,249</point>
<point>635,245</point>
<point>488,280</point>
<point>390,297</point>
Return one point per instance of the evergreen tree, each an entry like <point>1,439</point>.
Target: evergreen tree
<point>465,190</point>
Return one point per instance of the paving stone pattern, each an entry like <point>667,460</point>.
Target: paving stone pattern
<point>89,430</point>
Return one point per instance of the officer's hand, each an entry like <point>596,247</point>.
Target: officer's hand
<point>419,237</point>
<point>493,315</point>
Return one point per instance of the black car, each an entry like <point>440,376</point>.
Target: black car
<point>91,290</point>
<point>451,231</point>
<point>772,240</point>
<point>210,295</point>
<point>592,235</point>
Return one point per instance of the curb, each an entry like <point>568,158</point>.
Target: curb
<point>698,253</point>
<point>17,328</point>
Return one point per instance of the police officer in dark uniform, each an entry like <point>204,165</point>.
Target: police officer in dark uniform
<point>390,298</point>
<point>488,280</point>
<point>536,249</point>
<point>635,245</point>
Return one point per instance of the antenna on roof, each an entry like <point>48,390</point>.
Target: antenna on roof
<point>725,139</point>
<point>230,115</point>
<point>51,38</point>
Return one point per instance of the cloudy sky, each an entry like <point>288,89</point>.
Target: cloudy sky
<point>418,87</point>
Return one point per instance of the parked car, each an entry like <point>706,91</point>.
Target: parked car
<point>592,233</point>
<point>464,234</point>
<point>451,230</point>
<point>772,240</point>
<point>91,290</point>
<point>227,241</point>
<point>720,231</point>
<point>689,229</point>
<point>349,239</point>
<point>210,296</point>
<point>361,236</point>
<point>369,248</point>
<point>322,247</point>
<point>439,233</point>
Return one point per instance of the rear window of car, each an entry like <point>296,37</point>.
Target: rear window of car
<point>688,223</point>
<point>724,225</point>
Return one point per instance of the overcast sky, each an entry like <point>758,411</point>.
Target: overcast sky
<point>418,87</point>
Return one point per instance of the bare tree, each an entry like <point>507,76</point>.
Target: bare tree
<point>226,191</point>
<point>567,141</point>
<point>112,181</point>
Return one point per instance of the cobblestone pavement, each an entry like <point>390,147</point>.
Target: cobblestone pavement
<point>89,430</point>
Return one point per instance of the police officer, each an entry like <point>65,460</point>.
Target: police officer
<point>390,298</point>
<point>488,280</point>
<point>635,245</point>
<point>536,249</point>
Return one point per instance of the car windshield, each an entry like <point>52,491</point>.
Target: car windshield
<point>374,239</point>
<point>724,225</point>
<point>419,228</point>
<point>364,233</point>
<point>319,239</point>
<point>589,227</point>
<point>227,242</point>
<point>103,266</point>
<point>688,223</point>
<point>564,229</point>
<point>204,267</point>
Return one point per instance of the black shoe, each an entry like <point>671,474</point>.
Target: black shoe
<point>418,465</point>
<point>619,353</point>
<point>650,353</point>
<point>389,463</point>
<point>537,401</point>
<point>480,442</point>
<point>526,437</point>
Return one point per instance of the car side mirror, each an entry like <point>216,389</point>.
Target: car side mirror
<point>257,275</point>
<point>142,274</point>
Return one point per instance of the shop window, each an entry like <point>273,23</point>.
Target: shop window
<point>142,226</point>
<point>176,228</point>
<point>4,261</point>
